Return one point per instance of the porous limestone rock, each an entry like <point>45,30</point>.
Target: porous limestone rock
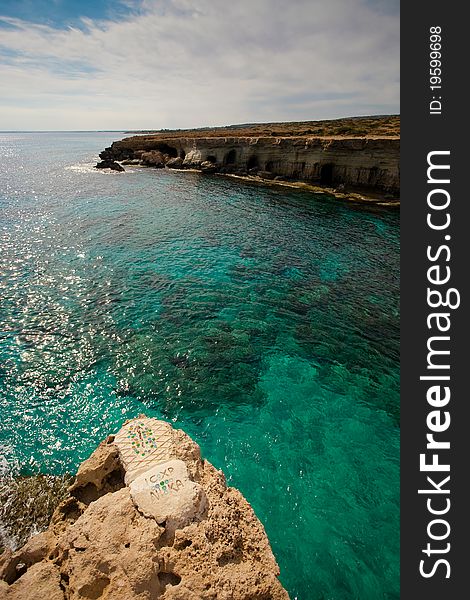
<point>104,541</point>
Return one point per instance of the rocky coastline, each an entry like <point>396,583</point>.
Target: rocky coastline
<point>146,517</point>
<point>368,165</point>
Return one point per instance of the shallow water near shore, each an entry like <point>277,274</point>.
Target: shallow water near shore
<point>262,321</point>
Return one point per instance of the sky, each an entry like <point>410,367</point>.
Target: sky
<point>151,64</point>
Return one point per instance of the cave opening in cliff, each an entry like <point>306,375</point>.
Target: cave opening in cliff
<point>166,149</point>
<point>326,174</point>
<point>182,154</point>
<point>230,157</point>
<point>253,162</point>
<point>211,158</point>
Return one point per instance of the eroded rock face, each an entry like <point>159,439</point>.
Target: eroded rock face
<point>194,540</point>
<point>372,163</point>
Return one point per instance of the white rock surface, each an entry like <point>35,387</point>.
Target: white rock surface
<point>142,444</point>
<point>166,493</point>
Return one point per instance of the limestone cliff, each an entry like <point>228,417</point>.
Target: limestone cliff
<point>358,162</point>
<point>146,518</point>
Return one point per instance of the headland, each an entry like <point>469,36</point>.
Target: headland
<point>356,157</point>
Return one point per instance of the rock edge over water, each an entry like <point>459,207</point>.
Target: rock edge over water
<point>359,163</point>
<point>188,536</point>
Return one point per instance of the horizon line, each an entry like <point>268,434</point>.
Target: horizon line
<point>134,129</point>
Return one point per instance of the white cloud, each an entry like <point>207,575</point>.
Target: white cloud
<point>184,63</point>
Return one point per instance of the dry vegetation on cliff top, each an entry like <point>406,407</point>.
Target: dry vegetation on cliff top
<point>375,126</point>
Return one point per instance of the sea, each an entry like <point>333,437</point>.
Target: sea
<point>262,320</point>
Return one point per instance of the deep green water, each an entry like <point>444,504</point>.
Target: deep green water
<point>263,321</point>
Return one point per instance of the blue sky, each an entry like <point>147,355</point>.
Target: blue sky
<point>109,64</point>
<point>63,13</point>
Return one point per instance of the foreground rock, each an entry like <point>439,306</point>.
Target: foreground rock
<point>175,531</point>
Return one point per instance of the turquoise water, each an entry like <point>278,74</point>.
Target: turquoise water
<point>263,321</point>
